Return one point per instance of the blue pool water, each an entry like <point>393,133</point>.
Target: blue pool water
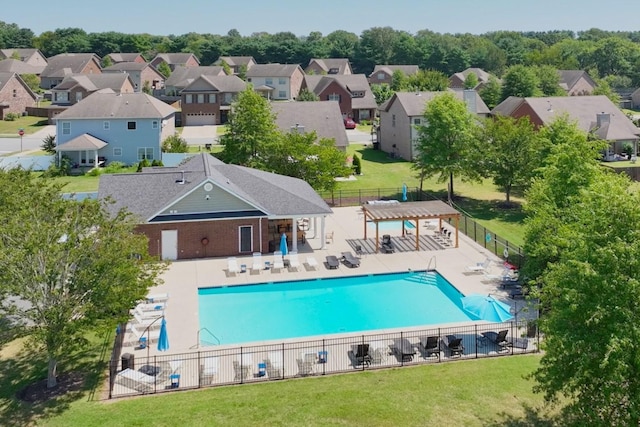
<point>391,225</point>
<point>275,311</point>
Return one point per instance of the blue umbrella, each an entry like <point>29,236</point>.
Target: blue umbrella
<point>283,245</point>
<point>404,192</point>
<point>163,341</point>
<point>485,307</point>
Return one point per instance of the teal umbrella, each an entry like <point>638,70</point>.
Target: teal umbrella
<point>163,341</point>
<point>485,307</point>
<point>404,192</point>
<point>283,245</point>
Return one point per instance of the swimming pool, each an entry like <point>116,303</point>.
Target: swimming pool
<point>275,311</point>
<point>391,225</point>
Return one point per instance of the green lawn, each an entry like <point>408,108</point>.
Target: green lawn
<point>28,123</point>
<point>470,393</point>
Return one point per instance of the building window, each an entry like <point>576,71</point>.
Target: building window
<point>117,151</point>
<point>188,98</point>
<point>201,98</point>
<point>393,120</point>
<point>416,121</point>
<point>228,98</point>
<point>282,94</point>
<point>66,128</point>
<point>333,97</point>
<point>106,125</point>
<point>268,81</point>
<point>154,124</point>
<point>282,81</point>
<point>212,98</point>
<point>62,96</point>
<point>15,93</point>
<point>334,70</point>
<point>131,125</point>
<point>364,114</point>
<point>381,76</point>
<point>145,153</point>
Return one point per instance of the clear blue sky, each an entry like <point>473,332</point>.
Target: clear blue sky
<point>303,16</point>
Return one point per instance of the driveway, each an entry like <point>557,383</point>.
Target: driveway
<point>200,135</point>
<point>356,136</point>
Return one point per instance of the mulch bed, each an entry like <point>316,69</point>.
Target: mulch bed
<point>38,392</point>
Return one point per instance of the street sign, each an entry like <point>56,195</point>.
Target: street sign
<point>21,132</point>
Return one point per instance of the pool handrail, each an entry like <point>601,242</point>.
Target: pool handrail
<point>210,333</point>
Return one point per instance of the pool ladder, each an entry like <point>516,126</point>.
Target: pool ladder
<point>432,260</point>
<point>210,333</point>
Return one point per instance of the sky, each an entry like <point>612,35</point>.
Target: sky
<point>302,17</point>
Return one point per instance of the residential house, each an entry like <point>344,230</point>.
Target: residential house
<point>32,57</point>
<point>107,126</point>
<point>19,67</point>
<point>576,82</point>
<point>456,81</point>
<point>207,100</point>
<point>66,64</point>
<point>278,82</point>
<point>352,91</point>
<point>329,66</point>
<point>400,114</point>
<point>635,99</point>
<point>75,88</point>
<point>117,58</point>
<point>142,74</point>
<point>183,76</point>
<point>175,59</point>
<point>322,117</point>
<point>384,73</point>
<point>593,114</point>
<point>206,208</point>
<point>15,95</point>
<point>237,63</point>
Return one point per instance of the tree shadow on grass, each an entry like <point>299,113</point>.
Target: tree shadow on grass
<point>24,397</point>
<point>539,417</point>
<point>491,210</point>
<point>377,156</point>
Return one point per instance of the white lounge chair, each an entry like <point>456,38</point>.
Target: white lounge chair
<point>479,267</point>
<point>305,364</point>
<point>151,299</point>
<point>156,307</point>
<point>232,265</point>
<point>274,364</point>
<point>242,370</point>
<point>148,334</point>
<point>209,369</point>
<point>151,314</point>
<point>146,321</point>
<point>257,263</point>
<point>278,263</point>
<point>507,275</point>
<point>312,263</point>
<point>294,262</point>
<point>136,380</point>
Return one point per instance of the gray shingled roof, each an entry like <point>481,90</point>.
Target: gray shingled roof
<point>350,82</point>
<point>273,70</point>
<point>324,117</point>
<point>82,143</point>
<point>124,57</point>
<point>182,76</point>
<point>94,82</point>
<point>67,63</point>
<point>176,58</point>
<point>148,193</point>
<point>17,66</point>
<point>482,75</point>
<point>221,84</point>
<point>414,103</point>
<point>118,106</point>
<point>568,78</point>
<point>389,69</point>
<point>235,60</point>
<point>328,63</point>
<point>128,66</point>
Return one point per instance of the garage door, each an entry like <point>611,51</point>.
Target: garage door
<point>201,119</point>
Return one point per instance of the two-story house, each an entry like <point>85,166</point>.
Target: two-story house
<point>66,64</point>
<point>182,76</point>
<point>278,82</point>
<point>175,59</point>
<point>404,111</point>
<point>142,74</point>
<point>75,88</point>
<point>29,56</point>
<point>456,81</point>
<point>352,91</point>
<point>207,100</point>
<point>383,74</point>
<point>107,126</point>
<point>328,66</point>
<point>15,95</point>
<point>238,64</point>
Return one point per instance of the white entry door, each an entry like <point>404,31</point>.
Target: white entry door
<point>169,244</point>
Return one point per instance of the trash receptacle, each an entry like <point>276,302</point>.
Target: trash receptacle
<point>128,361</point>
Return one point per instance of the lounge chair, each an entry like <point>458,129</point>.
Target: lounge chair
<point>278,262</point>
<point>209,369</point>
<point>403,348</point>
<point>136,380</point>
<point>379,351</point>
<point>241,372</point>
<point>153,314</point>
<point>305,363</point>
<point>156,307</point>
<point>430,346</point>
<point>499,339</point>
<point>312,263</point>
<point>504,276</point>
<point>294,261</point>
<point>144,322</point>
<point>350,260</point>
<point>144,334</point>
<point>232,265</point>
<point>151,299</point>
<point>329,237</point>
<point>332,262</point>
<point>387,245</point>
<point>360,355</point>
<point>453,345</point>
<point>257,264</point>
<point>479,267</point>
<point>274,364</point>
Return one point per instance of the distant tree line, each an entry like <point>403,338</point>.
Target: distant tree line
<point>601,53</point>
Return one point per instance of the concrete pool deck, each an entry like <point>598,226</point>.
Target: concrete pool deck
<point>183,278</point>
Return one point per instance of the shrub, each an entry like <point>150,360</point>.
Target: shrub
<point>175,144</point>
<point>357,166</point>
<point>94,172</point>
<point>58,168</point>
<point>10,117</point>
<point>114,167</point>
<point>157,162</point>
<point>49,144</point>
<point>143,164</point>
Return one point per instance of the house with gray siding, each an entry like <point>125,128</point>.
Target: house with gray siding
<point>107,126</point>
<point>279,82</point>
<point>141,74</point>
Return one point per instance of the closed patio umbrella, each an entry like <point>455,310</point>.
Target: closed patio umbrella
<point>485,307</point>
<point>163,340</point>
<point>283,245</point>
<point>404,192</point>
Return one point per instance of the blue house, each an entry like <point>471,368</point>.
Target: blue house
<point>107,127</point>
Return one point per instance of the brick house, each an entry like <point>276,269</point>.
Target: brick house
<point>352,92</point>
<point>182,77</point>
<point>456,81</point>
<point>206,208</point>
<point>117,58</point>
<point>75,88</point>
<point>328,66</point>
<point>141,74</point>
<point>175,59</point>
<point>32,57</point>
<point>15,95</point>
<point>237,63</point>
<point>207,100</point>
<point>66,64</point>
<point>384,73</point>
<point>576,82</point>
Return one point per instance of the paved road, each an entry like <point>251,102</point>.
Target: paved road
<point>29,142</point>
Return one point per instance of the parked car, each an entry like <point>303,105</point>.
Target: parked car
<point>349,123</point>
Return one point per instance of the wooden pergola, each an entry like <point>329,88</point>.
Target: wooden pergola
<point>409,211</point>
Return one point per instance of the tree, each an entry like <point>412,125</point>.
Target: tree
<point>251,124</point>
<point>306,95</point>
<point>381,92</point>
<point>603,88</point>
<point>146,87</point>
<point>227,69</point>
<point>175,144</point>
<point>106,62</point>
<point>491,92</point>
<point>471,81</point>
<point>549,81</point>
<point>33,81</point>
<point>164,69</point>
<point>445,141</point>
<point>398,81</point>
<point>49,144</point>
<point>510,152</point>
<point>427,80</point>
<point>520,81</point>
<point>590,287</point>
<point>72,266</point>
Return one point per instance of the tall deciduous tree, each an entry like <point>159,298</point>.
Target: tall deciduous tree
<point>70,266</point>
<point>251,125</point>
<point>491,92</point>
<point>164,69</point>
<point>445,141</point>
<point>521,81</point>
